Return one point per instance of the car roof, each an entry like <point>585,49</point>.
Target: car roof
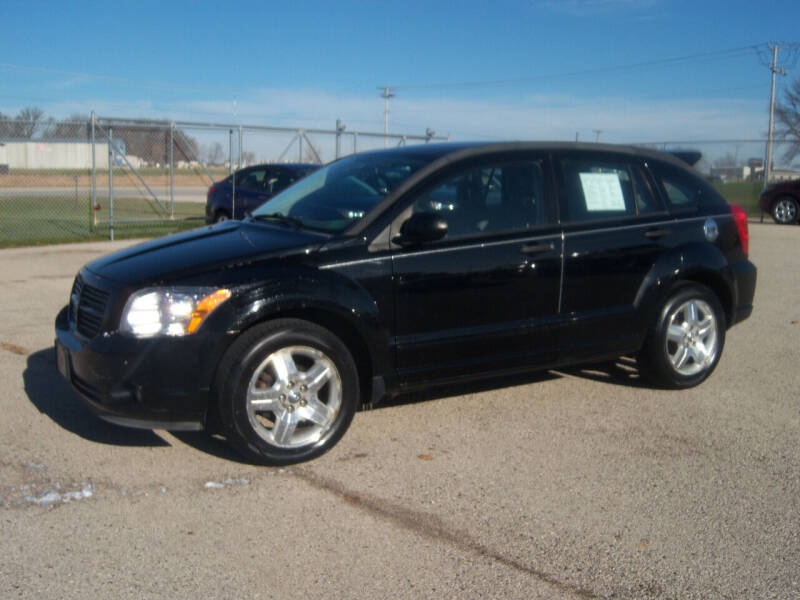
<point>459,150</point>
<point>289,165</point>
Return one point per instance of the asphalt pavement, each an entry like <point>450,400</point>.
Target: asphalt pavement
<point>580,483</point>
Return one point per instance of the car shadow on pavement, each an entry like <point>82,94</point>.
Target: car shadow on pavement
<point>53,396</point>
<point>471,387</point>
<point>620,371</point>
<point>215,445</point>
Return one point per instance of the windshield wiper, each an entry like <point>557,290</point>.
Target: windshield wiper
<point>276,216</point>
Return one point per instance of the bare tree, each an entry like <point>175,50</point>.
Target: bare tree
<point>74,127</point>
<point>787,113</point>
<point>24,125</point>
<point>729,160</point>
<point>27,121</point>
<point>215,154</point>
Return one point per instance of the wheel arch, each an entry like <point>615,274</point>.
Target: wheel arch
<point>785,194</point>
<point>346,331</point>
<point>709,268</point>
<point>350,335</point>
<point>788,193</point>
<point>221,210</point>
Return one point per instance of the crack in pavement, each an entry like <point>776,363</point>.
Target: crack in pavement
<point>430,526</point>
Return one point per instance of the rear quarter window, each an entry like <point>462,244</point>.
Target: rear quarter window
<point>686,192</point>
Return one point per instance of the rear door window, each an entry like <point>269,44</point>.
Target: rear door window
<point>598,189</point>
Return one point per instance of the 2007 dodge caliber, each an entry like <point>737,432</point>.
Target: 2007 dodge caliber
<point>400,269</point>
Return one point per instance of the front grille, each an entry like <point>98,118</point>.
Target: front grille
<point>87,308</point>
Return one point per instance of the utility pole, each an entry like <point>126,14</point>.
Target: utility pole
<point>387,93</point>
<point>775,70</point>
<point>597,133</point>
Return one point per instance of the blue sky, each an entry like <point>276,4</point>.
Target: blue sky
<point>536,69</point>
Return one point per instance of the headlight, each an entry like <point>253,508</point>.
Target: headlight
<point>174,311</point>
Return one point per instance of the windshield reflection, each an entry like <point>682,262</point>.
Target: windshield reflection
<point>336,196</point>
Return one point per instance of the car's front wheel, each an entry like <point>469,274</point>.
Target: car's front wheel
<point>287,391</point>
<point>685,343</point>
<point>785,210</point>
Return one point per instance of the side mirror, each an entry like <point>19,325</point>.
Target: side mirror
<point>422,228</point>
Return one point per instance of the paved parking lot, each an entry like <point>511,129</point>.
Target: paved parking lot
<point>569,484</point>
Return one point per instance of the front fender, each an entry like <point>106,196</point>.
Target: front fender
<point>340,302</point>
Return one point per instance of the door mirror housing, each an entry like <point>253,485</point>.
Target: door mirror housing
<point>421,228</point>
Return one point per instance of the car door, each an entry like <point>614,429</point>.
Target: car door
<point>252,189</point>
<point>615,229</point>
<point>467,303</point>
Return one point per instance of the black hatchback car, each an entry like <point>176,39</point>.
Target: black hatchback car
<point>246,189</point>
<point>401,269</point>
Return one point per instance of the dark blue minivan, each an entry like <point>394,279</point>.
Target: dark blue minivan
<point>248,188</point>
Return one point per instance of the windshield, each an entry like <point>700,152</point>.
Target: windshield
<point>336,196</point>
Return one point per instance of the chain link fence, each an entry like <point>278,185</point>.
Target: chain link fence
<point>104,177</point>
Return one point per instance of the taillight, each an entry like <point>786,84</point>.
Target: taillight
<point>211,190</point>
<point>740,218</point>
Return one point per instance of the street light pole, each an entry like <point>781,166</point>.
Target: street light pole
<point>387,93</point>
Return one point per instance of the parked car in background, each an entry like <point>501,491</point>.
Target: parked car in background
<point>247,189</point>
<point>782,201</point>
<point>398,270</point>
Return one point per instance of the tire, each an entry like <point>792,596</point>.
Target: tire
<point>684,345</point>
<point>221,217</point>
<point>287,391</point>
<point>784,210</point>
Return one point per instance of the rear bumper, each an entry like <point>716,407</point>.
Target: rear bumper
<point>745,275</point>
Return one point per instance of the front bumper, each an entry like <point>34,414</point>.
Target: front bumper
<point>161,383</point>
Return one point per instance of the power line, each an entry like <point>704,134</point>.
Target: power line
<point>712,55</point>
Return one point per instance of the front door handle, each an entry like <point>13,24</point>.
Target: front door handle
<point>537,248</point>
<point>658,233</point>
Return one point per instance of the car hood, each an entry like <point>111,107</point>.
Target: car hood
<point>201,250</point>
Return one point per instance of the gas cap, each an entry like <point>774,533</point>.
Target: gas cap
<point>711,229</point>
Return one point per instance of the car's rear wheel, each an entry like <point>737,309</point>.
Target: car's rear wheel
<point>685,343</point>
<point>287,391</point>
<point>785,210</point>
<point>221,217</point>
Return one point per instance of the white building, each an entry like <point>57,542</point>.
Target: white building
<point>52,154</point>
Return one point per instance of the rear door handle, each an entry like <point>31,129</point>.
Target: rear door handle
<point>537,248</point>
<point>658,233</point>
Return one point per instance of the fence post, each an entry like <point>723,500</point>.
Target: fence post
<point>233,174</point>
<point>300,146</point>
<point>230,152</point>
<point>171,171</point>
<point>93,198</point>
<point>111,183</point>
<point>240,165</point>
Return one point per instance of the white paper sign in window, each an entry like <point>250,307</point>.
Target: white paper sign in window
<point>602,192</point>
